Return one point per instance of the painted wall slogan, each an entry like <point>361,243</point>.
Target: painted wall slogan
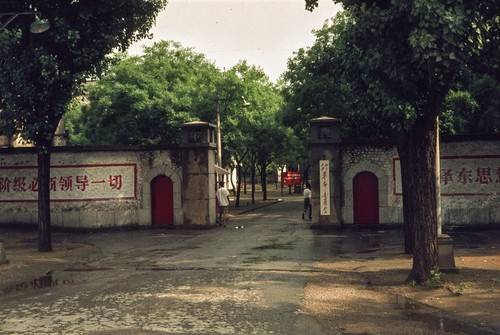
<point>324,187</point>
<point>70,182</point>
<point>462,175</point>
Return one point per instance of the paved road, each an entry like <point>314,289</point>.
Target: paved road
<point>245,280</point>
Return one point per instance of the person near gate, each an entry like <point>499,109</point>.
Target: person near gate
<point>223,201</point>
<point>307,201</point>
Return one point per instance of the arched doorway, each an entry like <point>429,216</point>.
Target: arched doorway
<point>162,201</point>
<point>365,198</point>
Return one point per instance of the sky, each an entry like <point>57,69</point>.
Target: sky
<point>266,33</point>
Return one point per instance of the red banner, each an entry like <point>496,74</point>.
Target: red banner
<point>291,178</point>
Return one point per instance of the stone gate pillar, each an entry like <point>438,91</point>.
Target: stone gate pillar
<point>324,155</point>
<point>198,175</point>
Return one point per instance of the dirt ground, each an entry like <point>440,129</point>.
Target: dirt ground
<point>370,295</point>
<point>355,293</point>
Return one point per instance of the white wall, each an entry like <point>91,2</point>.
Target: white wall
<point>98,198</point>
<point>470,180</point>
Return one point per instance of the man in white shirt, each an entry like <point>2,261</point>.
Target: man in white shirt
<point>307,201</point>
<point>223,201</point>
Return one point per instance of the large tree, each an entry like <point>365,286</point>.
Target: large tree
<point>403,57</point>
<point>40,74</point>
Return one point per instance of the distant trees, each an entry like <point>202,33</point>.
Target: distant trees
<point>473,105</point>
<point>254,137</point>
<point>144,100</point>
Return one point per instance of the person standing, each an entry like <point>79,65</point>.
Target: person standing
<point>223,201</point>
<point>307,201</point>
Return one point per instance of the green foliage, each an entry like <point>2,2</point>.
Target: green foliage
<point>73,124</point>
<point>460,107</point>
<point>253,130</point>
<point>461,287</point>
<point>144,100</point>
<point>381,65</point>
<point>435,279</point>
<point>413,53</point>
<point>311,85</point>
<point>484,89</point>
<point>42,73</point>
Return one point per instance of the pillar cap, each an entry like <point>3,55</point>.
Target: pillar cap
<point>324,119</point>
<point>197,134</point>
<point>324,130</point>
<point>197,124</point>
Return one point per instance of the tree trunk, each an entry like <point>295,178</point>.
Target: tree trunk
<point>252,180</point>
<point>263,180</point>
<point>238,184</point>
<point>245,180</point>
<point>281,178</point>
<point>408,231</point>
<point>417,151</point>
<point>232,181</point>
<point>305,176</point>
<point>239,180</point>
<point>44,233</point>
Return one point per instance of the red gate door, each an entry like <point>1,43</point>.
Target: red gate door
<point>162,201</point>
<point>365,194</point>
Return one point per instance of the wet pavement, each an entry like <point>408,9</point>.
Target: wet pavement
<point>247,278</point>
<point>222,281</point>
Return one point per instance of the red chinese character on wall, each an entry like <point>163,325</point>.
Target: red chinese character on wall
<point>446,176</point>
<point>465,176</point>
<point>66,183</point>
<point>484,175</point>
<point>82,182</point>
<point>53,183</point>
<point>19,184</point>
<point>115,182</point>
<point>4,184</point>
<point>33,185</point>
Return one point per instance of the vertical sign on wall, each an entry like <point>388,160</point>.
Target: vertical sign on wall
<point>324,187</point>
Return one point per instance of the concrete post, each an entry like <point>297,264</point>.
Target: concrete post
<point>324,154</point>
<point>446,258</point>
<point>198,174</point>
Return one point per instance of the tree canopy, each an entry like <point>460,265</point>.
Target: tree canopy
<point>144,99</point>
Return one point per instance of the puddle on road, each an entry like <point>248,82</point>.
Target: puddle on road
<point>87,269</point>
<point>415,311</point>
<point>50,280</point>
<point>366,251</point>
<point>275,246</point>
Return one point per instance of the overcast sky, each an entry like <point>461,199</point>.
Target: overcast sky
<point>263,32</point>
